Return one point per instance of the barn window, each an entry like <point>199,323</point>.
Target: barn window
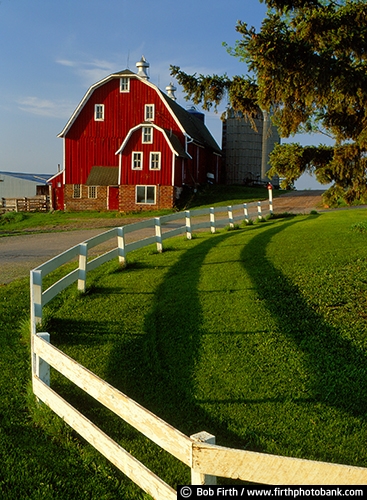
<point>137,160</point>
<point>145,194</point>
<point>92,191</point>
<point>77,192</point>
<point>99,112</point>
<point>124,84</point>
<point>147,135</point>
<point>149,112</point>
<point>155,161</point>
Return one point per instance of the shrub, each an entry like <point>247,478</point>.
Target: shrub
<point>282,215</point>
<point>232,228</point>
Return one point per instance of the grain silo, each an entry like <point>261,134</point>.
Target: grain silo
<point>246,149</point>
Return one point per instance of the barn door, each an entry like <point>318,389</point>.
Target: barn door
<point>58,197</point>
<point>113,198</point>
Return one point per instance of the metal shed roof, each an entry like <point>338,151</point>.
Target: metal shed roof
<point>38,178</point>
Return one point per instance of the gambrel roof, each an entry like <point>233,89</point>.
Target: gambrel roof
<point>194,128</point>
<point>87,95</point>
<point>189,125</point>
<point>172,139</point>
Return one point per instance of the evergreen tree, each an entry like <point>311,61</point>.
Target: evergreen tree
<point>307,67</point>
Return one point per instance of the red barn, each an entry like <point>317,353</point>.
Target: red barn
<point>129,146</point>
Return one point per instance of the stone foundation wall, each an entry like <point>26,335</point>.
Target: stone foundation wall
<point>85,203</point>
<point>165,198</point>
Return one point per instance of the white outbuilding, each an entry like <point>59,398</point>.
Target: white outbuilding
<point>21,185</point>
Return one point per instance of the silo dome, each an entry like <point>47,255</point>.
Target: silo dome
<point>198,114</point>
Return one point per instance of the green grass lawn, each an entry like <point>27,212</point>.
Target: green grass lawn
<point>258,336</point>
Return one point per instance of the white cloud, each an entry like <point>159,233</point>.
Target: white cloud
<point>90,71</point>
<point>45,107</point>
<point>65,62</point>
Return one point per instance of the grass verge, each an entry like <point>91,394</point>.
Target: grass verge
<point>15,222</point>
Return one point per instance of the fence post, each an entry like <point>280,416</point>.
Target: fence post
<point>212,219</point>
<point>196,477</point>
<point>188,224</point>
<point>270,190</point>
<point>259,210</point>
<point>121,245</point>
<point>245,211</point>
<point>158,234</point>
<point>230,216</point>
<point>36,299</point>
<point>40,367</point>
<point>83,258</point>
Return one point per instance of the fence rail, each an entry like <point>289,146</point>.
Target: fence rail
<point>199,452</point>
<point>151,231</point>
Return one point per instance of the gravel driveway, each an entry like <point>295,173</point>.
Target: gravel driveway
<point>19,254</point>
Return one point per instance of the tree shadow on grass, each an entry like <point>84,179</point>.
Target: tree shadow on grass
<point>156,369</point>
<point>339,368</point>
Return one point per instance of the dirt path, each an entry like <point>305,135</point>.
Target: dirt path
<point>298,201</point>
<point>19,254</point>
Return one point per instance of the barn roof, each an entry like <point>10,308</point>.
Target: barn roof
<point>38,178</point>
<point>103,176</point>
<point>187,122</point>
<point>172,139</point>
<point>193,126</point>
<point>176,144</point>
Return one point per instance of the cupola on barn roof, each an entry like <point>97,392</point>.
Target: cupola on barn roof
<point>142,66</point>
<point>130,146</point>
<point>171,89</point>
<point>187,121</point>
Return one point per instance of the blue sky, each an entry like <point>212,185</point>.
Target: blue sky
<point>53,50</point>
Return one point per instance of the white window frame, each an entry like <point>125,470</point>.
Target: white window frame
<point>155,160</point>
<point>137,158</point>
<point>124,84</point>
<point>92,192</point>
<point>99,112</point>
<point>149,112</point>
<point>77,191</point>
<point>145,202</point>
<point>147,135</point>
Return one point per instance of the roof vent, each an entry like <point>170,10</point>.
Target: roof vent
<point>171,89</point>
<point>142,66</point>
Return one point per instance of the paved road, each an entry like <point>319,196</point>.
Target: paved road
<point>20,254</point>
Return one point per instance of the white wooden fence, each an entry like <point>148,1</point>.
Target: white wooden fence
<point>199,452</point>
<point>151,231</point>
